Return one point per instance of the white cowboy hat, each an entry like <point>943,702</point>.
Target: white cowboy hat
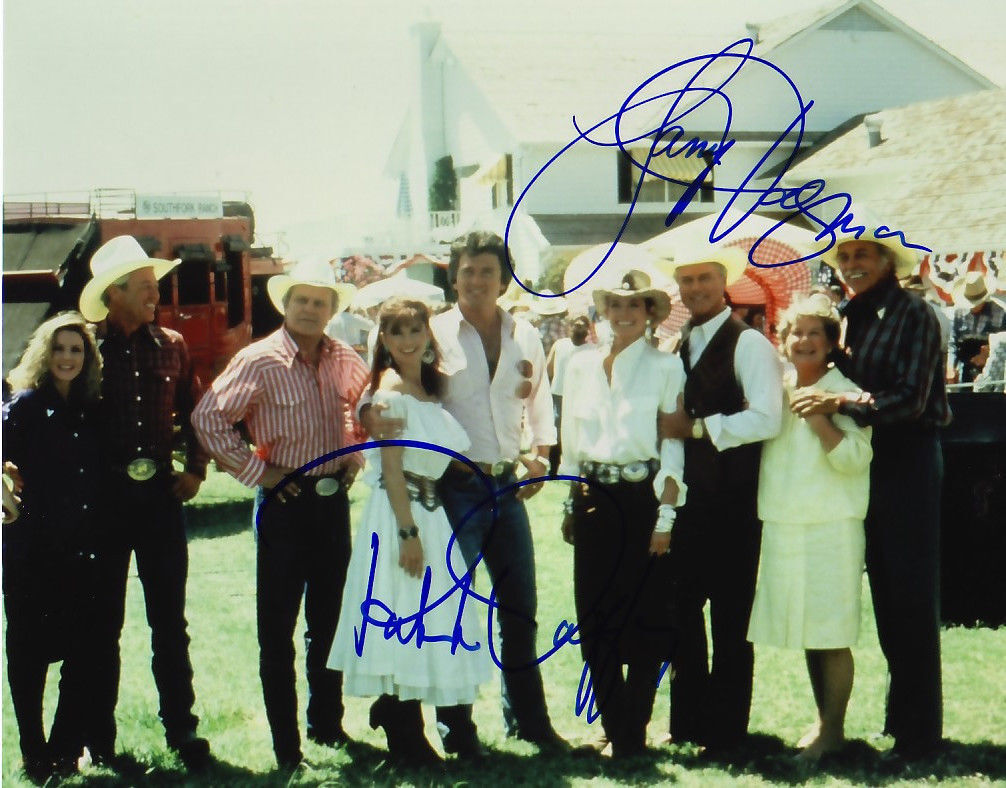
<point>548,303</point>
<point>635,283</point>
<point>114,259</point>
<point>671,257</point>
<point>973,289</point>
<point>317,273</point>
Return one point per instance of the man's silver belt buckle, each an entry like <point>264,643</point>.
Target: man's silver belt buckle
<point>141,469</point>
<point>635,471</point>
<point>326,487</point>
<point>499,467</point>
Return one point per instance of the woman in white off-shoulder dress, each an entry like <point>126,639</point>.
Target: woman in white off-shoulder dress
<point>383,645</point>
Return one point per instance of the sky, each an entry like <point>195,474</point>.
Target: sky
<point>293,103</point>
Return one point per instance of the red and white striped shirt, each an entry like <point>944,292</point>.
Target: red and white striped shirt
<point>295,412</point>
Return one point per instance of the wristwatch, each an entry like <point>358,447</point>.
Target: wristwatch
<point>698,429</point>
<point>408,533</point>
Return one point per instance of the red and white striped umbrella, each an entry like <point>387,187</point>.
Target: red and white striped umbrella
<point>774,287</point>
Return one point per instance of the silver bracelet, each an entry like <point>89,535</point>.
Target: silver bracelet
<point>666,515</point>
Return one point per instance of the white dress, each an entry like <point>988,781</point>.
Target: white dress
<point>812,503</point>
<point>404,659</point>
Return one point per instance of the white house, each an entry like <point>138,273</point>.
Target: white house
<point>500,106</point>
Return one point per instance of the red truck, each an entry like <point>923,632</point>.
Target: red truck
<point>208,298</point>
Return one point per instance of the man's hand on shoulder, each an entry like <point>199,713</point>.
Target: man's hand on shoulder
<point>378,426</point>
<point>811,402</point>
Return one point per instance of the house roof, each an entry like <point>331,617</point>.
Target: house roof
<point>539,79</point>
<point>939,173</point>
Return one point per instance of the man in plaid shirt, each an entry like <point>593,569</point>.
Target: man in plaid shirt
<point>894,354</point>
<point>147,387</point>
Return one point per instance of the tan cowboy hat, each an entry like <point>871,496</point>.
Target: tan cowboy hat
<point>973,289</point>
<point>114,259</point>
<point>671,257</point>
<point>635,283</point>
<point>547,303</point>
<point>315,272</point>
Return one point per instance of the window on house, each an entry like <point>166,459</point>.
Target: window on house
<point>669,177</point>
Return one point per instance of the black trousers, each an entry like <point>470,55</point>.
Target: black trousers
<point>302,552</point>
<point>623,604</point>
<point>144,518</point>
<point>903,562</point>
<point>714,558</point>
<point>47,605</point>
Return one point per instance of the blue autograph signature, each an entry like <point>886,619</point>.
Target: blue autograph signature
<point>665,140</point>
<point>411,628</point>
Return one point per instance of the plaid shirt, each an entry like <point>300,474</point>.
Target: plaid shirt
<point>147,387</point>
<point>295,412</point>
<point>990,319</point>
<point>893,339</point>
<point>551,329</point>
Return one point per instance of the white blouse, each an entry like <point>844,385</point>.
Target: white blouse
<point>618,423</point>
<point>802,483</point>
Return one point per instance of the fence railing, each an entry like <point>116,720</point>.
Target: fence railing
<point>444,219</point>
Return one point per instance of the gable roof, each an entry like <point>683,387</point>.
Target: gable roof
<point>938,174</point>
<point>536,80</point>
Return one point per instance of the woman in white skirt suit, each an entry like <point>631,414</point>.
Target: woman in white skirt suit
<point>812,497</point>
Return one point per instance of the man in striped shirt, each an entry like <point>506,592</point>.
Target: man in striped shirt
<point>296,392</point>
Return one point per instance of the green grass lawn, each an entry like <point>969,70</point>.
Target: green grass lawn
<point>221,614</point>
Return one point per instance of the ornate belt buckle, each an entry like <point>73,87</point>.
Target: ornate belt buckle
<point>499,467</point>
<point>326,487</point>
<point>609,474</point>
<point>635,471</point>
<point>141,469</point>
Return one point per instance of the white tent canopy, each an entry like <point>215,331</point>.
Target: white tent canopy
<point>398,285</point>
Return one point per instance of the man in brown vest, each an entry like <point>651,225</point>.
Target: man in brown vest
<point>731,403</point>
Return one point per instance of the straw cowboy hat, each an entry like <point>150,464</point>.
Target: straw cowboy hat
<point>317,273</point>
<point>548,303</point>
<point>974,289</point>
<point>114,259</point>
<point>672,257</point>
<point>859,218</point>
<point>635,283</point>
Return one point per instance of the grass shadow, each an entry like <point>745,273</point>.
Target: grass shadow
<point>127,770</point>
<point>858,763</point>
<point>218,520</point>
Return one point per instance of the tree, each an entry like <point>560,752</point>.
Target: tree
<point>444,188</point>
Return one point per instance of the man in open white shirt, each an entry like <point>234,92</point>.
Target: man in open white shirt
<point>496,379</point>
<point>731,403</point>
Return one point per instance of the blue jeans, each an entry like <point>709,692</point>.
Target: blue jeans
<point>503,545</point>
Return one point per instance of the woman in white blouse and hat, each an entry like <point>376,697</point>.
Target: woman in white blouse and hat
<point>619,519</point>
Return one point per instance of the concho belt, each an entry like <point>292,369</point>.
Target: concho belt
<point>421,489</point>
<point>607,473</point>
